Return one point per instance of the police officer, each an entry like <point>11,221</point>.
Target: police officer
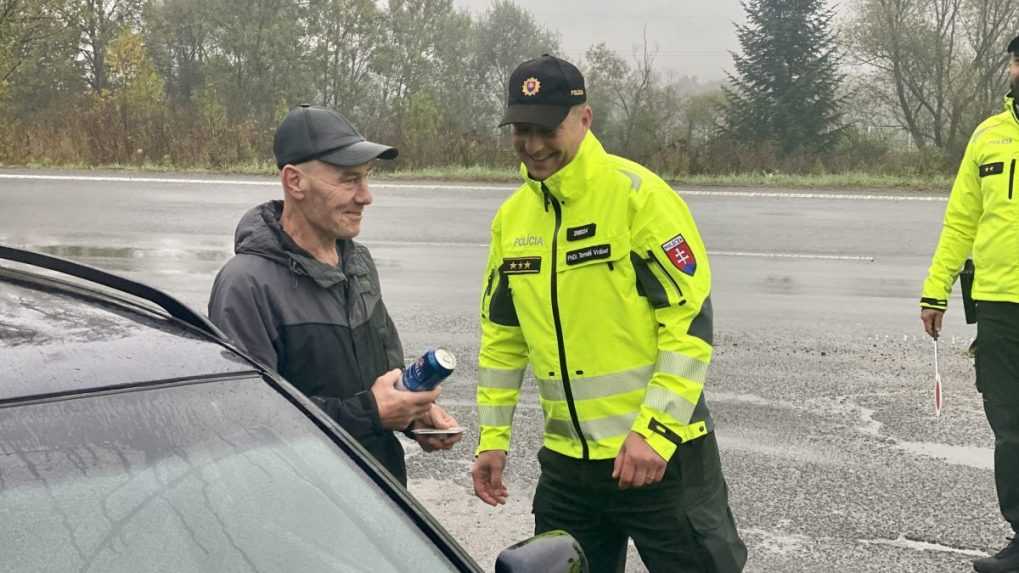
<point>983,217</point>
<point>597,277</point>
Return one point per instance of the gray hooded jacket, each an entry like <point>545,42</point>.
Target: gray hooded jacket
<point>324,328</point>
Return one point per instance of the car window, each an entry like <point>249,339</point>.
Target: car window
<point>218,476</point>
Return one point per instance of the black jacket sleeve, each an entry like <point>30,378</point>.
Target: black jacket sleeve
<point>358,415</point>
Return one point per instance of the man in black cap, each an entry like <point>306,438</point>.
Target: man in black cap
<point>303,298</point>
<point>981,218</point>
<point>598,279</point>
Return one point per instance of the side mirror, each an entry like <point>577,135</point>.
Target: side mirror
<point>550,552</point>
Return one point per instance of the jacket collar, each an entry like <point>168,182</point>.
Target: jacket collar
<point>1010,106</point>
<point>572,180</point>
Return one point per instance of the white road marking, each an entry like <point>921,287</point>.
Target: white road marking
<point>131,179</point>
<point>906,543</point>
<point>248,182</point>
<point>794,195</point>
<point>439,244</point>
<point>792,256</point>
<point>445,186</point>
<point>454,244</point>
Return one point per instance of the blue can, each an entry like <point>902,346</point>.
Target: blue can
<point>426,372</point>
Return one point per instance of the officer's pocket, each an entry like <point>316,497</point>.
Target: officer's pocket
<point>706,499</point>
<point>500,306</point>
<point>715,533</point>
<point>516,268</point>
<point>997,180</point>
<point>596,278</point>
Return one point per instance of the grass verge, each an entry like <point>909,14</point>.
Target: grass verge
<point>939,183</point>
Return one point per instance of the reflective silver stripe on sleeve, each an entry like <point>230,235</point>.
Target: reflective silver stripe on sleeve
<point>598,429</point>
<point>594,387</point>
<point>495,378</point>
<point>682,365</point>
<point>672,404</point>
<point>495,415</point>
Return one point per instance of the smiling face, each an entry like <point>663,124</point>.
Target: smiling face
<point>332,199</point>
<point>546,151</point>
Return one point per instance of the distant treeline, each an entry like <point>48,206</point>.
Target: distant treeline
<point>203,83</point>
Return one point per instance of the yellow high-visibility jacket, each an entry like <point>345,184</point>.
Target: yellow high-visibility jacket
<point>598,278</point>
<point>982,217</point>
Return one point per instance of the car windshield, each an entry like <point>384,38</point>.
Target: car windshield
<point>218,476</point>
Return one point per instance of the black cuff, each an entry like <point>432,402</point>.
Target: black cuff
<point>663,430</point>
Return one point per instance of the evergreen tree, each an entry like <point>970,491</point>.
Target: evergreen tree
<point>785,91</point>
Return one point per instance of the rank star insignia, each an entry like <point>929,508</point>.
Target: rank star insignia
<point>531,86</point>
<point>521,266</point>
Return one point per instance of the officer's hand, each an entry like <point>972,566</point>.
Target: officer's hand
<point>637,463</point>
<point>931,318</point>
<point>487,474</point>
<point>437,418</point>
<point>398,408</point>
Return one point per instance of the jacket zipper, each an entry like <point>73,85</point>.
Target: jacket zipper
<point>1011,179</point>
<point>491,276</point>
<point>564,369</point>
<point>666,273</point>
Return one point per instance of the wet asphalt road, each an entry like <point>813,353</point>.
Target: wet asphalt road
<point>821,385</point>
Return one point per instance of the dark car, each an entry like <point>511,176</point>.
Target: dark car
<point>135,437</point>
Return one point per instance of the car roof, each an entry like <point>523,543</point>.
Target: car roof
<point>69,336</point>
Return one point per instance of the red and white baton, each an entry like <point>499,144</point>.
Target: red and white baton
<point>938,397</point>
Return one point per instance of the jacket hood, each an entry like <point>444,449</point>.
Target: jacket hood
<point>259,233</point>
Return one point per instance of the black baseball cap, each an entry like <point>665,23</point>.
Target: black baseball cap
<point>1013,46</point>
<point>309,132</point>
<point>542,91</point>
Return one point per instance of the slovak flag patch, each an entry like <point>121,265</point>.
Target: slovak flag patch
<point>681,255</point>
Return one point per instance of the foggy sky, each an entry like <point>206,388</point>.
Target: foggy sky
<point>693,36</point>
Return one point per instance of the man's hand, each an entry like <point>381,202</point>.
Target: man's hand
<point>932,318</point>
<point>437,418</point>
<point>398,408</point>
<point>637,464</point>
<point>487,474</point>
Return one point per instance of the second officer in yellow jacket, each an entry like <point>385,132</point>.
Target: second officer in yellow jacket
<point>598,279</point>
<point>982,218</point>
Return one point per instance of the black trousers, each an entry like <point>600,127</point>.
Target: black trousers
<point>997,362</point>
<point>680,525</point>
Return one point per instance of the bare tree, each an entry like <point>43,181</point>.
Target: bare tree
<point>24,25</point>
<point>938,64</point>
<point>635,112</point>
<point>345,37</point>
<point>97,23</point>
